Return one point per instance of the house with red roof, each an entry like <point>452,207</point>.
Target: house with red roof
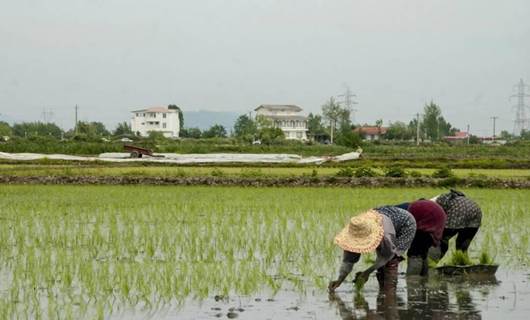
<point>371,133</point>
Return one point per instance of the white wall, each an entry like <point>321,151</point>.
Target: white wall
<point>165,122</point>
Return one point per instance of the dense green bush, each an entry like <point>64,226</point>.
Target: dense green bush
<point>217,172</point>
<point>414,174</point>
<point>395,172</point>
<point>365,172</point>
<point>345,172</point>
<point>444,172</point>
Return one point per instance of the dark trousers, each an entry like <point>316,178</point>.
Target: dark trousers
<point>420,245</point>
<point>417,254</point>
<point>387,275</point>
<point>463,239</point>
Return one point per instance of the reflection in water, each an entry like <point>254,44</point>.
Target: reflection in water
<point>435,298</point>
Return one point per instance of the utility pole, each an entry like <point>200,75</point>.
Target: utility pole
<point>75,127</point>
<point>417,129</point>
<point>468,134</point>
<point>47,115</point>
<point>521,121</point>
<point>494,119</point>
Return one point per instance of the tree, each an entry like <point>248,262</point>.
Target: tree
<point>122,128</point>
<point>5,129</point>
<point>181,115</point>
<point>194,133</point>
<point>314,124</point>
<point>245,128</point>
<point>315,127</point>
<point>525,135</point>
<point>215,131</point>
<point>505,135</point>
<point>400,131</point>
<point>35,129</point>
<point>270,135</point>
<point>92,129</point>
<point>333,113</point>
<point>346,137</point>
<point>434,125</point>
<point>156,137</point>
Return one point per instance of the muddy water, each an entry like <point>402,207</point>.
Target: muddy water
<point>504,296</point>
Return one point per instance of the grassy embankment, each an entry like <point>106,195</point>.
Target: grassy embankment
<point>205,171</point>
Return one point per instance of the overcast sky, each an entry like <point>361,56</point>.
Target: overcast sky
<point>114,56</point>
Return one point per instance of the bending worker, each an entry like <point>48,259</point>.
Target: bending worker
<point>387,230</point>
<point>464,217</point>
<point>430,221</point>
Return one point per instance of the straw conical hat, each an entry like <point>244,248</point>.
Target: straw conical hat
<point>363,233</point>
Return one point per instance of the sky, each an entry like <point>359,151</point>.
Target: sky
<point>114,56</point>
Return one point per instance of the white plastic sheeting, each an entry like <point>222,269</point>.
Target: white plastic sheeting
<point>189,158</point>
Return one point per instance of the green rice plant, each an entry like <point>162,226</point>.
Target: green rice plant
<point>432,263</point>
<point>460,258</point>
<point>109,248</point>
<point>485,258</point>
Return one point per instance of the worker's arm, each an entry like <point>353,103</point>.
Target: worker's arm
<point>348,260</point>
<point>385,252</point>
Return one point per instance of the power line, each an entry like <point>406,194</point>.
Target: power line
<point>348,101</point>
<point>494,118</point>
<point>75,127</point>
<point>47,115</point>
<point>521,121</point>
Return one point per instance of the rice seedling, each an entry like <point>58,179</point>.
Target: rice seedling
<point>460,258</point>
<point>485,258</point>
<point>73,252</point>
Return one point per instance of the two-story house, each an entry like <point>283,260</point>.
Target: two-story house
<point>159,119</point>
<point>286,117</point>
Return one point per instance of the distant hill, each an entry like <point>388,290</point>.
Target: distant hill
<point>205,119</point>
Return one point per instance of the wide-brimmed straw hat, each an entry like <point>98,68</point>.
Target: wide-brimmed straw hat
<point>363,233</point>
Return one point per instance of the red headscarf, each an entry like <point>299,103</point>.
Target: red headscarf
<point>430,218</point>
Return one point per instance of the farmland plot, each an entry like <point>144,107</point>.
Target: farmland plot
<point>196,252</point>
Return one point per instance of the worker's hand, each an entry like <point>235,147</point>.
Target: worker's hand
<point>360,279</point>
<point>334,285</point>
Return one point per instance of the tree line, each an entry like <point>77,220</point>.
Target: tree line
<point>332,126</point>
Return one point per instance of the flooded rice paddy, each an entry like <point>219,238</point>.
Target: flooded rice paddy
<point>137,252</point>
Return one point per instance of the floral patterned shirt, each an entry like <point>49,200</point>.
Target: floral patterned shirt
<point>461,211</point>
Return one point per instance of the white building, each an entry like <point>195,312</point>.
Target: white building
<point>160,119</point>
<point>287,118</point>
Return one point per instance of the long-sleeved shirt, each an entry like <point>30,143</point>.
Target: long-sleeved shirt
<point>385,251</point>
<point>461,212</point>
<point>404,225</point>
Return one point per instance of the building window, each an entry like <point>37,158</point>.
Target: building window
<point>163,116</point>
<point>137,114</point>
<point>163,123</point>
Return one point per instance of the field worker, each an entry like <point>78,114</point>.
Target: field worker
<point>387,230</point>
<point>464,217</point>
<point>430,222</point>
